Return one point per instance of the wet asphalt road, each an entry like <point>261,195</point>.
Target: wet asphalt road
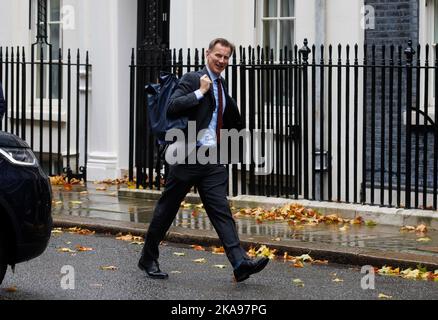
<point>41,278</point>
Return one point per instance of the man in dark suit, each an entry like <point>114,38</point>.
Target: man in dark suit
<point>202,97</point>
<point>2,104</point>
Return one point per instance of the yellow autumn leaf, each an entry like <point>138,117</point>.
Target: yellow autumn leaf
<point>370,223</point>
<point>298,264</point>
<point>75,202</point>
<point>384,296</point>
<point>201,260</point>
<point>109,268</point>
<point>66,250</point>
<point>337,280</point>
<point>298,282</point>
<point>179,254</point>
<point>425,239</point>
<point>57,231</point>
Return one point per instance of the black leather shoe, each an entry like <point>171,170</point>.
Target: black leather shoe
<point>152,269</point>
<point>249,267</point>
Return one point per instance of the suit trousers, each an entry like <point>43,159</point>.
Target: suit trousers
<point>211,181</point>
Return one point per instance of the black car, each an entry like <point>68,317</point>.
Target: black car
<point>25,204</point>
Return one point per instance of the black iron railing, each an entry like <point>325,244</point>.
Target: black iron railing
<point>351,124</point>
<point>47,100</point>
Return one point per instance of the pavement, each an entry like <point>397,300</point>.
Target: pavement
<point>111,209</point>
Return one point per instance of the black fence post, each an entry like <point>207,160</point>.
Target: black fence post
<point>409,52</point>
<point>304,52</point>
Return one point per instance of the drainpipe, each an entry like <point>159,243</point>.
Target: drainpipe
<point>320,33</point>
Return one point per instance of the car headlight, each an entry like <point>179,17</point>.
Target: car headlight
<point>19,156</point>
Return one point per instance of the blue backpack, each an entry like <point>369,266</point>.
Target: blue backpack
<point>158,102</point>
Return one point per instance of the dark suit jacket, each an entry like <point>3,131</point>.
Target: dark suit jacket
<point>2,103</point>
<point>183,102</point>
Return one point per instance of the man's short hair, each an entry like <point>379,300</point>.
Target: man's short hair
<point>223,42</point>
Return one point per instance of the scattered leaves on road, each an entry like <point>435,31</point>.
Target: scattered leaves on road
<point>422,228</point>
<point>420,273</point>
<point>80,231</point>
<point>296,215</point>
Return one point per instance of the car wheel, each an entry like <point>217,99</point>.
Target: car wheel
<point>3,258</point>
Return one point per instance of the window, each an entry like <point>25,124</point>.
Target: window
<point>278,25</point>
<point>54,37</point>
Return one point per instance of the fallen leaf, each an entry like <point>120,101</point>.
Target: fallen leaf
<point>75,202</point>
<point>322,262</point>
<point>370,223</point>
<point>83,193</point>
<point>337,280</point>
<point>220,266</point>
<point>421,228</point>
<point>425,239</point>
<point>175,272</point>
<point>66,250</point>
<point>101,188</point>
<point>298,264</point>
<point>179,254</point>
<point>298,283</point>
<point>11,289</point>
<point>384,296</point>
<point>137,242</point>
<point>218,250</point>
<point>57,231</point>
<point>344,228</point>
<point>197,248</point>
<point>82,249</point>
<point>305,258</point>
<point>201,260</point>
<point>407,228</point>
<point>110,268</point>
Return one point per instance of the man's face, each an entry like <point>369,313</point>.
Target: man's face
<point>218,58</point>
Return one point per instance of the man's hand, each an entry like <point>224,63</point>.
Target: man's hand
<point>205,84</point>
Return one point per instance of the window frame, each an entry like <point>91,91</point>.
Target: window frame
<point>262,17</point>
